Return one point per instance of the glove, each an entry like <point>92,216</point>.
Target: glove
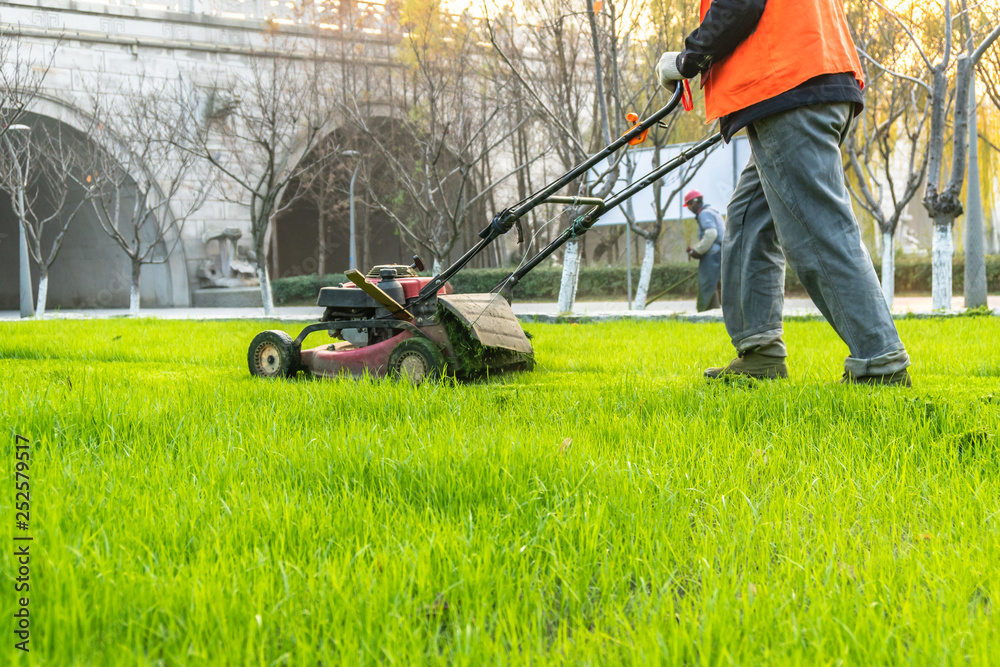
<point>666,70</point>
<point>694,254</point>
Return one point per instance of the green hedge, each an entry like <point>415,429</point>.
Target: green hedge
<point>913,275</point>
<point>541,284</point>
<point>301,288</point>
<point>597,282</point>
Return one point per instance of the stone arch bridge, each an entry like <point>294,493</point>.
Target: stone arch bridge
<point>189,41</point>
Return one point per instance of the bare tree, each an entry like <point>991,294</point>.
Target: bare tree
<point>141,181</point>
<point>988,72</point>
<point>437,151</point>
<point>664,194</point>
<point>988,69</point>
<point>21,77</point>
<point>268,116</point>
<point>567,74</point>
<point>884,148</point>
<point>950,81</point>
<point>672,19</point>
<point>36,172</point>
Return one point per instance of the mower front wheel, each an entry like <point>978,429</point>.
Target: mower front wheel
<point>272,354</point>
<point>417,360</point>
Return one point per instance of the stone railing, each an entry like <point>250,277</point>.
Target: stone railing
<point>368,17</point>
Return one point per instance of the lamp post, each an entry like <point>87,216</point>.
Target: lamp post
<point>352,250</point>
<point>27,303</point>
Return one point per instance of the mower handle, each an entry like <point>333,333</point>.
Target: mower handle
<point>504,220</point>
<point>584,222</point>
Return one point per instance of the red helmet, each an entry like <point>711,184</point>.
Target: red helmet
<point>691,194</point>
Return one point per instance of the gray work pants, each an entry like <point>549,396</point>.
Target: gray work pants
<point>792,203</point>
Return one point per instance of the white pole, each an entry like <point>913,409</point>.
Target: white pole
<point>27,307</point>
<point>352,260</point>
<point>974,288</point>
<point>352,250</point>
<point>628,262</point>
<point>26,302</point>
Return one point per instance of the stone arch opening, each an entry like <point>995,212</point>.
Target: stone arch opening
<point>91,270</point>
<point>297,244</point>
<point>320,220</point>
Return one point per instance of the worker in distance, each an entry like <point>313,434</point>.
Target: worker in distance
<point>708,250</point>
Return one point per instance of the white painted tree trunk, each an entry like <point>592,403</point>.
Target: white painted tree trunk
<point>941,253</point>
<point>133,295</point>
<point>570,274</point>
<point>266,297</point>
<point>436,267</point>
<point>888,269</point>
<point>645,274</point>
<point>133,301</point>
<point>43,293</point>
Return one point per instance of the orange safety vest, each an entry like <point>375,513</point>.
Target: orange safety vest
<point>795,41</point>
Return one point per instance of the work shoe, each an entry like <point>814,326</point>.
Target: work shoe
<point>897,379</point>
<point>751,365</point>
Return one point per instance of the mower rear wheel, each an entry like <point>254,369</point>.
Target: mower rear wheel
<point>272,354</point>
<point>416,359</point>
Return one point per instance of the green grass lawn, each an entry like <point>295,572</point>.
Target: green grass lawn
<point>186,513</point>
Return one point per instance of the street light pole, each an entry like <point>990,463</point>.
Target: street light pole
<point>27,302</point>
<point>353,249</point>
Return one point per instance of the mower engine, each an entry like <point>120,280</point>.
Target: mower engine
<point>347,303</point>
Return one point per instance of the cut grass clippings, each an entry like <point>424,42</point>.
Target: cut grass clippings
<point>609,507</point>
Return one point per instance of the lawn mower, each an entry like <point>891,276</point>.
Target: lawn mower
<point>394,322</point>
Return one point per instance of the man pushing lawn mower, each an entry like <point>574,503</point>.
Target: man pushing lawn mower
<point>788,72</point>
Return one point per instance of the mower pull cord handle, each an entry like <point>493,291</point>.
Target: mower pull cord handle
<point>577,201</point>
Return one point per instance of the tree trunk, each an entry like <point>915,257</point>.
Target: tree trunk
<point>266,298</point>
<point>570,274</point>
<point>264,276</point>
<point>273,254</point>
<point>133,295</point>
<point>321,238</point>
<point>888,268</point>
<point>645,273</point>
<point>975,259</point>
<point>43,290</point>
<point>941,264</point>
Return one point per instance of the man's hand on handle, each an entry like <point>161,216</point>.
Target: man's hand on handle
<point>667,72</point>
